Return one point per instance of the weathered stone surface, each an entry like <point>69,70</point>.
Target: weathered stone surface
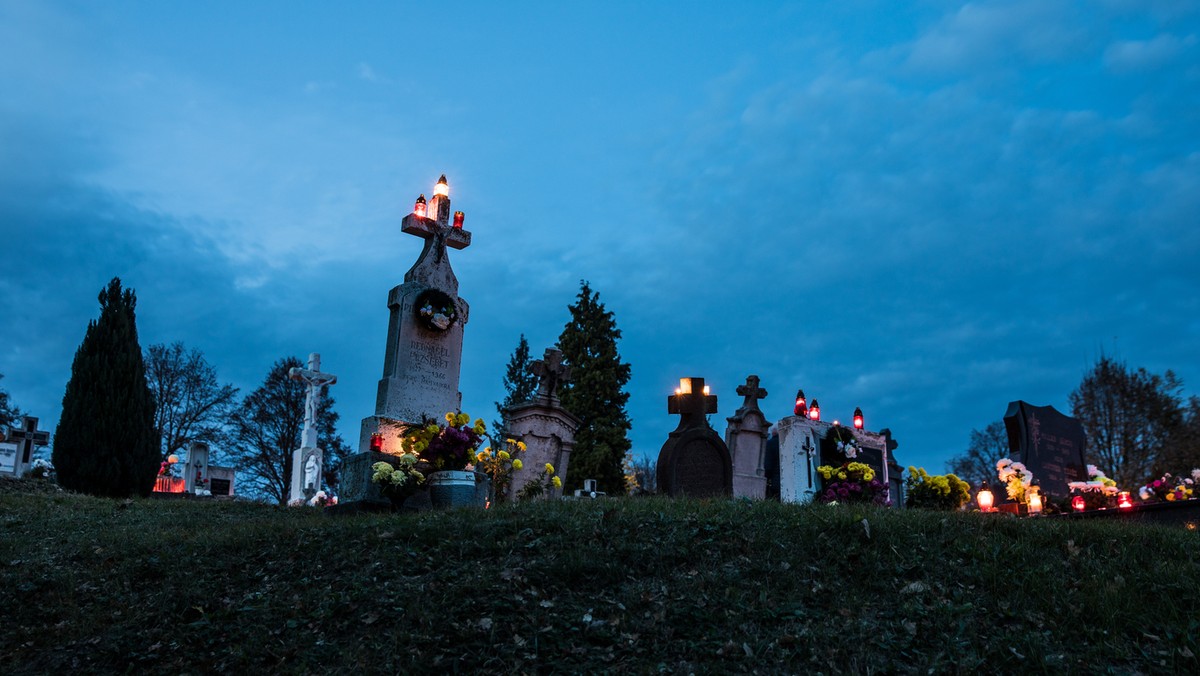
<point>26,437</point>
<point>805,444</point>
<point>1050,444</point>
<point>545,427</point>
<point>694,461</point>
<point>746,438</point>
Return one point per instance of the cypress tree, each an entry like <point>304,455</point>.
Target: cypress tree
<point>106,443</point>
<point>594,395</point>
<point>520,384</point>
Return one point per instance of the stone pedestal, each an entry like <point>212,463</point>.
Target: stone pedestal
<point>355,479</point>
<point>548,432</point>
<point>746,437</point>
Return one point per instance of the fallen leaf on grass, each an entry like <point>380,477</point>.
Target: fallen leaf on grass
<point>911,628</point>
<point>915,588</point>
<point>370,619</point>
<point>546,604</point>
<point>485,624</point>
<point>866,528</point>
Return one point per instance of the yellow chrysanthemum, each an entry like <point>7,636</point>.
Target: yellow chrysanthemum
<point>557,482</point>
<point>549,468</point>
<point>517,464</point>
<point>462,419</point>
<point>503,455</point>
<point>521,445</point>
<point>450,418</point>
<point>841,475</point>
<point>481,456</point>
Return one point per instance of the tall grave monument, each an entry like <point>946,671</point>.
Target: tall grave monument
<point>423,353</point>
<point>307,461</point>
<point>694,461</point>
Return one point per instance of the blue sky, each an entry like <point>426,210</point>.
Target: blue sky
<point>924,209</point>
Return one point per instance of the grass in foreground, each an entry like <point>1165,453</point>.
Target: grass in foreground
<point>630,585</point>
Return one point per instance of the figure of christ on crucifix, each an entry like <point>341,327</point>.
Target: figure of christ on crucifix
<point>314,380</point>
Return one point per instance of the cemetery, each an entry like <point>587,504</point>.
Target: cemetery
<point>771,545</point>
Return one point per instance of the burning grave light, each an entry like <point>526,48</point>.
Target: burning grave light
<point>858,418</point>
<point>801,406</point>
<point>814,413</point>
<point>458,219</point>
<point>442,188</point>
<point>419,207</point>
<point>1124,501</point>
<point>377,442</point>
<point>1078,503</point>
<point>984,498</point>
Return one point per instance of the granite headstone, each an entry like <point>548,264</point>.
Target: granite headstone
<point>1050,444</point>
<point>694,462</point>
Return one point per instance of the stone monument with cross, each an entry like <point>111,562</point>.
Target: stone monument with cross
<point>746,437</point>
<point>694,461</point>
<point>26,437</point>
<point>423,352</point>
<point>307,460</point>
<point>547,429</point>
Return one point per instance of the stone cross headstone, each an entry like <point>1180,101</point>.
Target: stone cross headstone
<point>423,353</point>
<point>546,428</point>
<point>799,441</point>
<point>306,460</point>
<point>1050,444</point>
<point>196,470</point>
<point>27,437</point>
<point>694,461</point>
<point>746,437</point>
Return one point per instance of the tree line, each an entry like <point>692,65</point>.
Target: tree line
<point>126,410</point>
<point>1138,427</point>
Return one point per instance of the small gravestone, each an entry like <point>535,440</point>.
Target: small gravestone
<point>746,437</point>
<point>1050,444</point>
<point>545,427</point>
<point>27,437</point>
<point>694,462</point>
<point>196,474</point>
<point>8,458</point>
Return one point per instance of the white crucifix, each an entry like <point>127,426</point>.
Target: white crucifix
<point>306,460</point>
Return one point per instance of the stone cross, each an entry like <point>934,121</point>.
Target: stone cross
<point>314,380</point>
<point>691,403</point>
<point>551,373</point>
<point>752,392</point>
<point>27,437</point>
<point>438,233</point>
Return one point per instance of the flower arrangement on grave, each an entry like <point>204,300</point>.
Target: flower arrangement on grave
<point>851,482</point>
<point>41,469</point>
<point>500,464</point>
<point>540,485</point>
<point>322,499</point>
<point>399,481</point>
<point>1099,491</point>
<point>435,310</point>
<point>1170,489</point>
<point>168,465</point>
<point>941,492</point>
<point>446,446</point>
<point>1015,477</point>
<point>844,441</point>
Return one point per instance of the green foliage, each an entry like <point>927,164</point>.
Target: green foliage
<point>944,492</point>
<point>1130,417</point>
<point>8,411</point>
<point>520,384</point>
<point>614,586</point>
<point>190,403</point>
<point>594,395</point>
<point>978,463</point>
<point>266,428</point>
<point>106,443</point>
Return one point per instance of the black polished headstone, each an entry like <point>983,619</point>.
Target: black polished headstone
<point>1050,444</point>
<point>694,461</point>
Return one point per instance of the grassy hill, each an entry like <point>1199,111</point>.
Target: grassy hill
<point>640,585</point>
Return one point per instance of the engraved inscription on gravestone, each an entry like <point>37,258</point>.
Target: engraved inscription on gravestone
<point>1049,443</point>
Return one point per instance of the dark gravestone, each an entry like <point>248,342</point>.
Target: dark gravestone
<point>219,486</point>
<point>1050,444</point>
<point>694,461</point>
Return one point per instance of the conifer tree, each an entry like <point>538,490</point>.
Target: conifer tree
<point>106,443</point>
<point>520,384</point>
<point>594,395</point>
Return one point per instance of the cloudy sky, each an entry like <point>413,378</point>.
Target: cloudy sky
<point>924,209</point>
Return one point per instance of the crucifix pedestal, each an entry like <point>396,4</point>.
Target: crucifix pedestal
<point>307,460</point>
